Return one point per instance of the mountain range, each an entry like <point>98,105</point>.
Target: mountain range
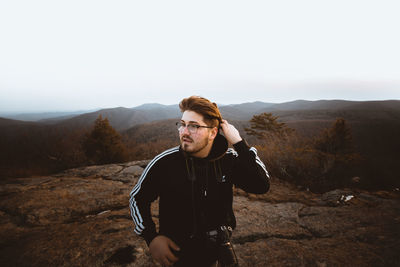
<point>375,127</point>
<point>124,118</point>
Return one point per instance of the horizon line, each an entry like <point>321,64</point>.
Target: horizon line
<point>157,103</point>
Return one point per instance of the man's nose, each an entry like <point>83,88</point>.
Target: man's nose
<point>185,130</point>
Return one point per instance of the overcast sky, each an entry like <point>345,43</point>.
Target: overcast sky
<point>78,55</point>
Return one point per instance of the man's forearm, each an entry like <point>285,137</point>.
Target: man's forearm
<point>250,172</point>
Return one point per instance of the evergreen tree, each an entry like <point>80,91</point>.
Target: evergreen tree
<point>104,144</point>
<point>336,155</point>
<point>266,126</point>
<point>276,141</point>
<point>336,140</point>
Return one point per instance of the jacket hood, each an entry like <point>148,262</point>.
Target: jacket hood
<point>218,149</point>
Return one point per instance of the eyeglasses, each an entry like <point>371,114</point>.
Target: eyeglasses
<point>192,128</point>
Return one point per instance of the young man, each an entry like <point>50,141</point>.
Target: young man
<point>194,184</point>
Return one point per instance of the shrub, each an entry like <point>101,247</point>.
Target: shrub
<point>320,164</point>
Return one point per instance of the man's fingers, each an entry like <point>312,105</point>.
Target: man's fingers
<point>171,257</point>
<point>230,132</point>
<point>173,245</point>
<point>161,249</point>
<point>224,124</point>
<point>166,262</point>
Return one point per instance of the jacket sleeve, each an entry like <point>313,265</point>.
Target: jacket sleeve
<point>249,172</point>
<point>141,197</point>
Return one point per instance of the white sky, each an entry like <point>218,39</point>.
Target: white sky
<point>73,55</point>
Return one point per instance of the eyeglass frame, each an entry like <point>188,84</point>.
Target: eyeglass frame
<point>196,127</point>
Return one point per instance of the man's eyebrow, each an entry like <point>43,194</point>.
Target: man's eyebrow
<point>190,121</point>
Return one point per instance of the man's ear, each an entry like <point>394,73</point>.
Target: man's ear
<point>214,132</point>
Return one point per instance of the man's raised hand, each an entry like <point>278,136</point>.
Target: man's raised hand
<point>230,132</point>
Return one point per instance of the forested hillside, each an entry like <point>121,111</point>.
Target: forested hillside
<point>36,148</point>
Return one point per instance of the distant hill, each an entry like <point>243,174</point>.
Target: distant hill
<point>375,127</point>
<point>243,111</point>
<point>315,112</point>
<point>43,116</point>
<point>119,118</point>
<point>307,117</point>
<point>150,128</point>
<point>156,106</point>
<point>124,118</point>
<point>10,122</point>
<point>312,105</point>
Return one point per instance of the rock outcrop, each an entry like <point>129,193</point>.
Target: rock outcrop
<point>81,218</point>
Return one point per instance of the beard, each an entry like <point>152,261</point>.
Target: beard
<point>192,146</point>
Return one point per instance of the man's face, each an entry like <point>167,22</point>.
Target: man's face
<point>197,144</point>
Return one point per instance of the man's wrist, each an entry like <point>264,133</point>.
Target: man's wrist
<point>236,140</point>
<point>149,237</point>
<point>241,146</point>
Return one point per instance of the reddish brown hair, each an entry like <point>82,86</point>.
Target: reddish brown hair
<point>204,107</point>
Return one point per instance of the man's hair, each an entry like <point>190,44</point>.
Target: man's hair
<point>204,107</point>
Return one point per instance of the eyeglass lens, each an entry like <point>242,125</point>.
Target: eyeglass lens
<point>191,128</point>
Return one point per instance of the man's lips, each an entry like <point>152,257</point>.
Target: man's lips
<point>187,140</point>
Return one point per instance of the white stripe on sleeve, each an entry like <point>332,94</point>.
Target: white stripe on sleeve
<point>135,213</point>
<point>258,161</point>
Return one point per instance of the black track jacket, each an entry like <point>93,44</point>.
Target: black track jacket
<point>195,195</point>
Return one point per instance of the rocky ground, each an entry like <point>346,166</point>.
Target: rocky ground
<point>81,218</point>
